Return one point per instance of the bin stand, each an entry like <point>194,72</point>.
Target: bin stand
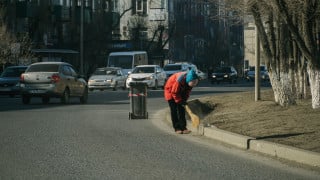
<point>138,100</point>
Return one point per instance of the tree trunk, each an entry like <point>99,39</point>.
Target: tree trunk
<point>282,88</point>
<point>314,79</point>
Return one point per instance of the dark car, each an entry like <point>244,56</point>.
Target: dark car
<point>224,74</point>
<point>52,79</point>
<point>263,73</point>
<point>9,80</point>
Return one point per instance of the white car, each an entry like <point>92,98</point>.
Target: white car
<point>107,78</point>
<point>152,75</point>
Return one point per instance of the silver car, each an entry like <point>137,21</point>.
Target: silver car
<point>52,79</point>
<point>107,78</point>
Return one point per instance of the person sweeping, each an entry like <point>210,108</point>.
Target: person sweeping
<point>177,91</point>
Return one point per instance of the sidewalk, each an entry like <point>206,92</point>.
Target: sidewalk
<point>249,143</point>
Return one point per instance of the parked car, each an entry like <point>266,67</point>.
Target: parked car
<point>177,67</point>
<point>153,75</point>
<point>224,74</point>
<point>52,80</point>
<point>107,78</point>
<point>264,75</point>
<point>9,80</point>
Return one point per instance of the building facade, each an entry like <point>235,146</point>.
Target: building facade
<point>108,25</point>
<point>205,34</point>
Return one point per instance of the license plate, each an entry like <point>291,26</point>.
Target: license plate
<point>36,91</point>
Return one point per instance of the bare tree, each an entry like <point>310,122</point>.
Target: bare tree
<point>288,30</point>
<point>284,33</point>
<point>13,48</point>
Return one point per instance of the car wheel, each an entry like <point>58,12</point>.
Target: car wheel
<point>25,99</point>
<point>45,100</point>
<point>155,85</point>
<point>84,97</point>
<point>124,87</point>
<point>115,87</point>
<point>65,97</point>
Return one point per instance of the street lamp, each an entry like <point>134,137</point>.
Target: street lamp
<point>81,37</point>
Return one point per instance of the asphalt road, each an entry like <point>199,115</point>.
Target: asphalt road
<point>98,141</point>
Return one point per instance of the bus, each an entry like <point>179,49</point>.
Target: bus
<point>127,60</point>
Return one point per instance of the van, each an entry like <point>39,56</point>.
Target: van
<point>127,60</point>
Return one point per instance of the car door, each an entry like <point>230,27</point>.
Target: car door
<point>68,80</point>
<point>72,80</point>
<point>79,83</point>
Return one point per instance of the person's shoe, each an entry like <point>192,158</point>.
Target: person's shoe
<point>178,132</point>
<point>186,131</point>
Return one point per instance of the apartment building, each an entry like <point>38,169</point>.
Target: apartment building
<point>108,25</point>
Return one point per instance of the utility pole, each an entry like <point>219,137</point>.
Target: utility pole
<point>81,38</point>
<point>257,67</point>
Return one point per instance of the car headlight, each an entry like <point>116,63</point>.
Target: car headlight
<point>213,76</point>
<point>109,80</point>
<point>226,76</point>
<point>150,78</point>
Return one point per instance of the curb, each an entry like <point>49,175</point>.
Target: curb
<point>249,143</point>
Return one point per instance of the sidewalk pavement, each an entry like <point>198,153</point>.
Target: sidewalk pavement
<point>249,143</point>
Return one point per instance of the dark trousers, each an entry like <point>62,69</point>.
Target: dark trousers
<point>177,116</point>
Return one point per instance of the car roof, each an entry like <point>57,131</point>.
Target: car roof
<point>127,53</point>
<point>51,62</point>
<point>175,64</point>
<point>115,68</point>
<point>147,66</point>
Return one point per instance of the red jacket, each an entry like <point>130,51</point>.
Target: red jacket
<point>176,88</point>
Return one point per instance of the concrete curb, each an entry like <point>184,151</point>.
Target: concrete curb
<point>245,142</point>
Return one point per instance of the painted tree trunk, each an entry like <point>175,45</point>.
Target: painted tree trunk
<point>282,88</point>
<point>314,79</point>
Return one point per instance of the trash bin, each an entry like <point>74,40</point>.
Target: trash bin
<point>138,100</point>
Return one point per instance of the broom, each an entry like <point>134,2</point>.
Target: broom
<point>194,118</point>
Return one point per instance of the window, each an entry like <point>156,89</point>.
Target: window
<point>139,7</point>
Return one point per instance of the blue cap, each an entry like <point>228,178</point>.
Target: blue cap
<point>191,75</point>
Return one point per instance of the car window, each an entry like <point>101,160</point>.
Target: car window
<point>99,72</point>
<point>111,72</point>
<point>43,68</point>
<point>73,72</point>
<point>143,70</point>
<point>66,71</point>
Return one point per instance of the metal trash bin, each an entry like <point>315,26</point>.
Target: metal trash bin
<point>138,100</point>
